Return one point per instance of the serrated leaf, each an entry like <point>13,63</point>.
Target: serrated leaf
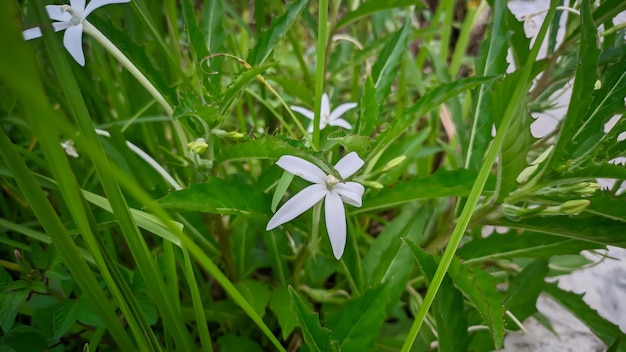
<point>369,7</point>
<point>574,303</point>
<point>235,90</point>
<point>584,227</point>
<point>64,316</point>
<point>195,36</point>
<point>442,183</point>
<point>234,343</point>
<point>316,337</point>
<point>9,304</point>
<point>286,317</point>
<point>524,289</point>
<point>280,25</point>
<point>429,101</point>
<point>480,288</point>
<point>40,257</point>
<point>384,71</point>
<point>356,325</point>
<point>257,294</point>
<point>448,307</point>
<point>584,81</point>
<point>269,148</point>
<point>527,244</point>
<point>352,143</point>
<point>218,196</point>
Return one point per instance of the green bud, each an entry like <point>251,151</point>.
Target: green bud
<point>225,134</point>
<point>394,162</point>
<point>372,184</point>
<point>198,146</point>
<point>597,85</point>
<point>572,207</point>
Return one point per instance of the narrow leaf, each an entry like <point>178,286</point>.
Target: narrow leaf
<point>385,69</point>
<point>316,337</point>
<point>524,289</point>
<point>369,7</point>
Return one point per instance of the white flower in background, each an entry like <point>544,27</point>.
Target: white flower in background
<point>68,147</point>
<point>332,118</point>
<point>335,191</point>
<point>71,18</point>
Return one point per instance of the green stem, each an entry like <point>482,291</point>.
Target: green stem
<point>477,189</point>
<point>320,67</point>
<point>466,31</point>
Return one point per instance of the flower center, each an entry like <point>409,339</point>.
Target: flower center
<point>331,181</point>
<point>77,18</point>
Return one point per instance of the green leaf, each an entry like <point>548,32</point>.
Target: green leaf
<point>64,316</point>
<point>316,337</point>
<point>40,257</point>
<point>584,227</point>
<point>9,304</point>
<point>480,288</point>
<point>518,140</point>
<point>385,69</point>
<point>285,314</point>
<point>586,76</point>
<point>5,279</point>
<point>24,338</point>
<point>236,89</point>
<point>257,294</point>
<point>352,142</point>
<point>524,289</point>
<point>574,303</point>
<point>280,25</point>
<point>527,244</point>
<point>281,189</point>
<point>442,183</point>
<point>448,306</point>
<point>356,325</point>
<point>269,148</point>
<point>194,33</point>
<point>370,109</point>
<point>372,6</point>
<point>218,196</point>
<point>429,101</point>
<point>234,343</point>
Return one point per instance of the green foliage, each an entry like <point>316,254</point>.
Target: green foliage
<point>141,240</point>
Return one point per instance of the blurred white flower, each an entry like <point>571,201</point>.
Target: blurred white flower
<point>332,118</point>
<point>70,18</point>
<point>68,147</point>
<point>334,191</point>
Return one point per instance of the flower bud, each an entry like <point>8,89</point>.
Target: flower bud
<point>372,184</point>
<point>572,207</point>
<point>224,134</point>
<point>597,85</point>
<point>198,146</point>
<point>394,162</point>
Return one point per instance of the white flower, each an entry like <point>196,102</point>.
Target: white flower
<point>334,191</point>
<point>68,147</point>
<point>327,117</point>
<point>71,18</point>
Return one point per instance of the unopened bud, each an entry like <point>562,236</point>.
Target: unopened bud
<point>597,85</point>
<point>572,207</point>
<point>372,184</point>
<point>198,146</point>
<point>394,162</point>
<point>588,188</point>
<point>225,134</point>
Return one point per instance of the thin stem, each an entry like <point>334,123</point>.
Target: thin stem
<point>478,186</point>
<point>320,67</point>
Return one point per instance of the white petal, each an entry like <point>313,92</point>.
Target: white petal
<point>325,108</point>
<point>341,109</point>
<point>59,26</point>
<point>335,223</point>
<point>31,33</point>
<point>341,123</point>
<point>304,111</point>
<point>350,192</point>
<point>55,13</point>
<point>78,5</point>
<point>349,164</point>
<point>297,205</point>
<point>302,168</point>
<point>96,4</point>
<point>73,42</point>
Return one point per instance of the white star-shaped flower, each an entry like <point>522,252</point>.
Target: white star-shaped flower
<point>335,191</point>
<point>327,117</point>
<point>71,17</point>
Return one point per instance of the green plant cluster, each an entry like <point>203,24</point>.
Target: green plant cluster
<point>136,189</point>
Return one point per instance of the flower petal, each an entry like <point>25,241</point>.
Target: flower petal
<point>95,4</point>
<point>341,109</point>
<point>31,33</point>
<point>78,5</point>
<point>73,42</point>
<point>302,168</point>
<point>325,108</point>
<point>304,111</point>
<point>341,123</point>
<point>297,205</point>
<point>59,26</point>
<point>350,192</point>
<point>55,13</point>
<point>349,164</point>
<point>335,223</point>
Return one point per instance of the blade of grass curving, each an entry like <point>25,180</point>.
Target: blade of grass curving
<point>196,299</point>
<point>477,189</point>
<point>370,7</point>
<point>136,243</point>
